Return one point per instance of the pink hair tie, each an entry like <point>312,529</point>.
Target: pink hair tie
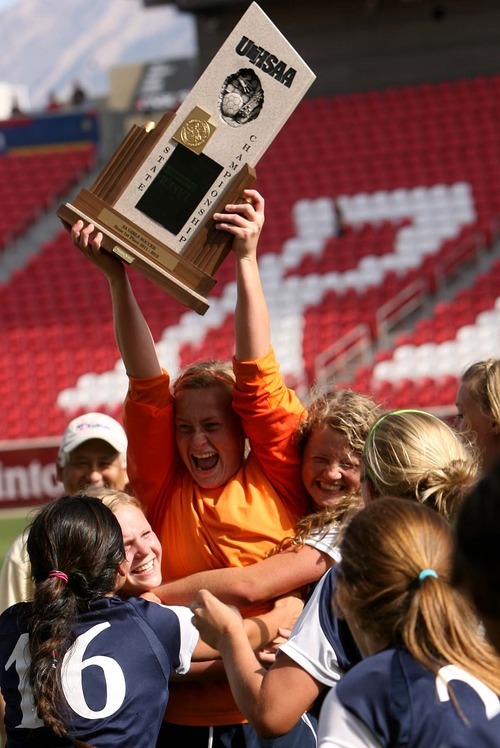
<point>59,575</point>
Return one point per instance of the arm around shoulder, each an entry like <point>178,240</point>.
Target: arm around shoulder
<point>247,585</point>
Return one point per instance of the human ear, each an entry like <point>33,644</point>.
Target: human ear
<point>368,490</point>
<point>121,574</point>
<point>121,569</point>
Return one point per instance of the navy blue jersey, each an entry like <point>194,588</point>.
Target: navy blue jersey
<point>320,642</point>
<point>336,629</point>
<point>401,703</point>
<point>114,677</point>
<point>485,736</point>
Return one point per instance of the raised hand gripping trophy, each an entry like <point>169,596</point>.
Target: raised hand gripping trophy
<point>154,201</point>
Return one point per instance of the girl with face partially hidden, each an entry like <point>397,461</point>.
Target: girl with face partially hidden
<point>478,408</point>
<point>413,454</point>
<point>78,563</point>
<point>414,630</point>
<point>89,562</point>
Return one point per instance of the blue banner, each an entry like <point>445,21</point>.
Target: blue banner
<point>53,130</point>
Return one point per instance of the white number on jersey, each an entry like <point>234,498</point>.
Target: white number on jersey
<point>21,656</point>
<point>452,672</point>
<point>71,677</point>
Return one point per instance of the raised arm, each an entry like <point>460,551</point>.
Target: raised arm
<point>270,412</point>
<point>132,333</point>
<point>251,319</point>
<point>255,583</point>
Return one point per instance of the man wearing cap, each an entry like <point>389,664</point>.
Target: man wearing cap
<point>92,452</point>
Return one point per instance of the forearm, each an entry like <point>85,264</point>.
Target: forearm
<point>211,670</point>
<point>247,585</point>
<point>251,319</point>
<point>263,629</point>
<point>273,699</point>
<point>244,672</point>
<point>222,627</point>
<point>132,333</point>
<point>228,584</point>
<point>258,631</point>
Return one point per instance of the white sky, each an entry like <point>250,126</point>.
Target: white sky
<point>4,4</point>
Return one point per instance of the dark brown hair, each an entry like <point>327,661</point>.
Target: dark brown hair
<point>477,544</point>
<point>79,536</point>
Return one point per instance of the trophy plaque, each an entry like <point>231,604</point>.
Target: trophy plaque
<point>154,200</point>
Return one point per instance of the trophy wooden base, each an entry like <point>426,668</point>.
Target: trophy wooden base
<point>185,275</point>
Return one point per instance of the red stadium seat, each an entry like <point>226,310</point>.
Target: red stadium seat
<point>387,143</point>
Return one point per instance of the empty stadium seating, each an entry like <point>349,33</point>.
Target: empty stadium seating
<point>32,183</point>
<point>416,174</point>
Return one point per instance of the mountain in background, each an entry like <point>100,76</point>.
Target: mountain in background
<point>47,45</point>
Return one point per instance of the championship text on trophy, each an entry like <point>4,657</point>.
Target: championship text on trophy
<point>154,201</point>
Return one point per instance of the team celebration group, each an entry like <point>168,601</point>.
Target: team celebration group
<point>235,568</point>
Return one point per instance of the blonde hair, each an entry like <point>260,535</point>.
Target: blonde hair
<point>483,384</point>
<point>384,549</point>
<point>113,497</point>
<point>353,414</point>
<point>342,409</point>
<point>413,454</point>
